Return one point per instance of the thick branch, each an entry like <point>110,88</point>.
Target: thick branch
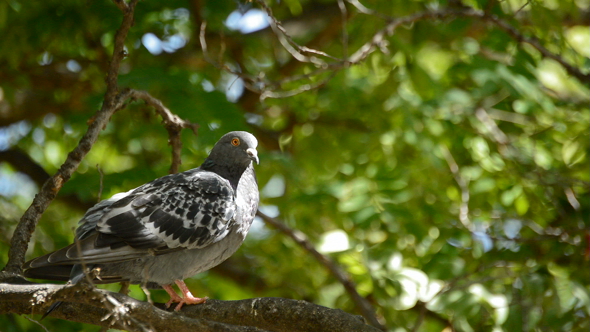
<point>261,314</point>
<point>112,102</point>
<point>99,307</point>
<point>362,304</point>
<point>278,314</point>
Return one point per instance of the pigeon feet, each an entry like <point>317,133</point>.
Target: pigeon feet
<point>187,298</point>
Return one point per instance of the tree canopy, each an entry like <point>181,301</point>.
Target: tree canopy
<point>424,163</point>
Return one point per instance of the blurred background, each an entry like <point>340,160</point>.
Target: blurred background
<point>446,170</point>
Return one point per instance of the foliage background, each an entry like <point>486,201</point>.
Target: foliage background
<point>447,172</point>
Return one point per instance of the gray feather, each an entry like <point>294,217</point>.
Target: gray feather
<point>170,228</point>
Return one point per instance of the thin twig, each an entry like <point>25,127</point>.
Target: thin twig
<point>362,9</point>
<point>172,122</point>
<point>290,45</point>
<point>498,135</point>
<point>534,42</point>
<point>251,83</point>
<point>571,198</point>
<point>100,185</point>
<point>203,42</point>
<point>362,304</point>
<point>463,185</point>
<point>123,6</point>
<point>148,294</point>
<point>37,322</point>
<point>421,316</point>
<point>378,39</point>
<point>89,275</point>
<point>344,16</point>
<point>521,8</point>
<point>302,88</point>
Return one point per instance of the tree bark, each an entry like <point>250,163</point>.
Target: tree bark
<point>90,305</point>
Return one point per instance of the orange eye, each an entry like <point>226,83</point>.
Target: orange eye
<point>235,141</point>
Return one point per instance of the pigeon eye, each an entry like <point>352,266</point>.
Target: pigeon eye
<point>235,142</point>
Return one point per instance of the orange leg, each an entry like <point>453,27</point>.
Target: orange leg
<point>187,298</point>
<point>173,296</point>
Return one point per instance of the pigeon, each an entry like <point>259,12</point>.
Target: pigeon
<point>166,230</point>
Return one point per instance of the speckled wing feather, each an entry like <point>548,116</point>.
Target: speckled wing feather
<point>188,210</point>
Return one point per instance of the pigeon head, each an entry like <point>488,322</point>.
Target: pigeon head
<point>232,154</point>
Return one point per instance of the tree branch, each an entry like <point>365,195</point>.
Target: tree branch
<point>173,123</point>
<point>269,89</point>
<point>260,314</point>
<point>463,185</point>
<point>112,102</point>
<point>534,42</point>
<point>378,40</point>
<point>362,304</point>
<point>290,45</point>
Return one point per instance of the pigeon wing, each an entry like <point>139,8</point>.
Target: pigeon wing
<point>182,211</point>
<point>190,210</point>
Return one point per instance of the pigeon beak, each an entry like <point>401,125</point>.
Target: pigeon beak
<point>253,154</point>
